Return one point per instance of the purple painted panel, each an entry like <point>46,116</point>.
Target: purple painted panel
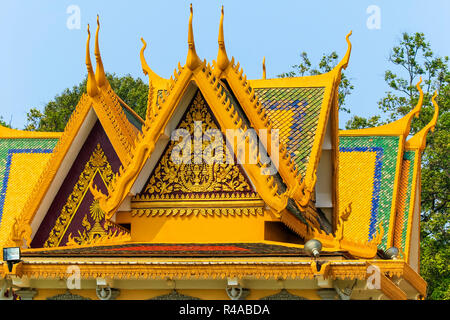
<point>96,136</point>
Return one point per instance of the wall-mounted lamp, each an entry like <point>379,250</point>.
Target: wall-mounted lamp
<point>11,256</point>
<point>392,253</point>
<point>313,248</point>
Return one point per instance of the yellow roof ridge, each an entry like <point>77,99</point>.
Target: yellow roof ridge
<point>146,141</point>
<point>106,104</point>
<point>400,127</point>
<point>300,81</point>
<point>143,146</point>
<point>116,114</point>
<point>418,141</point>
<point>9,133</point>
<point>259,119</point>
<point>118,129</point>
<point>22,226</point>
<point>300,187</point>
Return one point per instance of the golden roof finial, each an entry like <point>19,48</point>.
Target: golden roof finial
<point>145,68</point>
<point>418,106</point>
<point>222,58</point>
<point>344,62</point>
<point>264,68</point>
<point>401,126</point>
<point>91,84</point>
<point>418,141</point>
<point>99,71</point>
<point>192,60</point>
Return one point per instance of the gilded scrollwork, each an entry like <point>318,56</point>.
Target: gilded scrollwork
<point>193,176</point>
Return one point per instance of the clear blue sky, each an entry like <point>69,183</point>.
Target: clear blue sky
<point>40,56</point>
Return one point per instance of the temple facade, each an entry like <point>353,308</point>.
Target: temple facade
<point>230,188</point>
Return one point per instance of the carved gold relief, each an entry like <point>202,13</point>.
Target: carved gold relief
<point>196,176</point>
<point>89,232</point>
<point>97,163</point>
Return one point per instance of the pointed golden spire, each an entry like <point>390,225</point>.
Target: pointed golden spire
<point>99,71</point>
<point>91,85</point>
<point>192,60</point>
<point>418,141</point>
<point>264,68</point>
<point>222,58</point>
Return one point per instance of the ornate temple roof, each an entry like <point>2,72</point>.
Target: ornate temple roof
<point>375,174</point>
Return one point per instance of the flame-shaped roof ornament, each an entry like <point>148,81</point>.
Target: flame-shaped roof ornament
<point>418,141</point>
<point>91,84</point>
<point>100,76</point>
<point>192,59</point>
<point>146,69</point>
<point>222,58</point>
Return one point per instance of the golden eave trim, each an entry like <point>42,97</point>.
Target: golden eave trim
<point>209,269</point>
<point>21,228</point>
<point>8,133</point>
<point>206,203</point>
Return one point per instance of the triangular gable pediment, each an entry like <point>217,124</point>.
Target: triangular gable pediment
<point>101,110</point>
<point>158,127</point>
<point>193,174</point>
<point>74,216</point>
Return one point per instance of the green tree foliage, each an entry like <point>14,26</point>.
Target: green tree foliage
<point>326,64</point>
<point>413,58</point>
<point>57,112</point>
<point>3,123</point>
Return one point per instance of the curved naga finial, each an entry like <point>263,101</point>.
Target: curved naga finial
<point>264,68</point>
<point>344,62</point>
<point>145,68</point>
<point>418,141</point>
<point>192,59</point>
<point>401,126</point>
<point>99,71</point>
<point>222,58</point>
<point>91,85</point>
